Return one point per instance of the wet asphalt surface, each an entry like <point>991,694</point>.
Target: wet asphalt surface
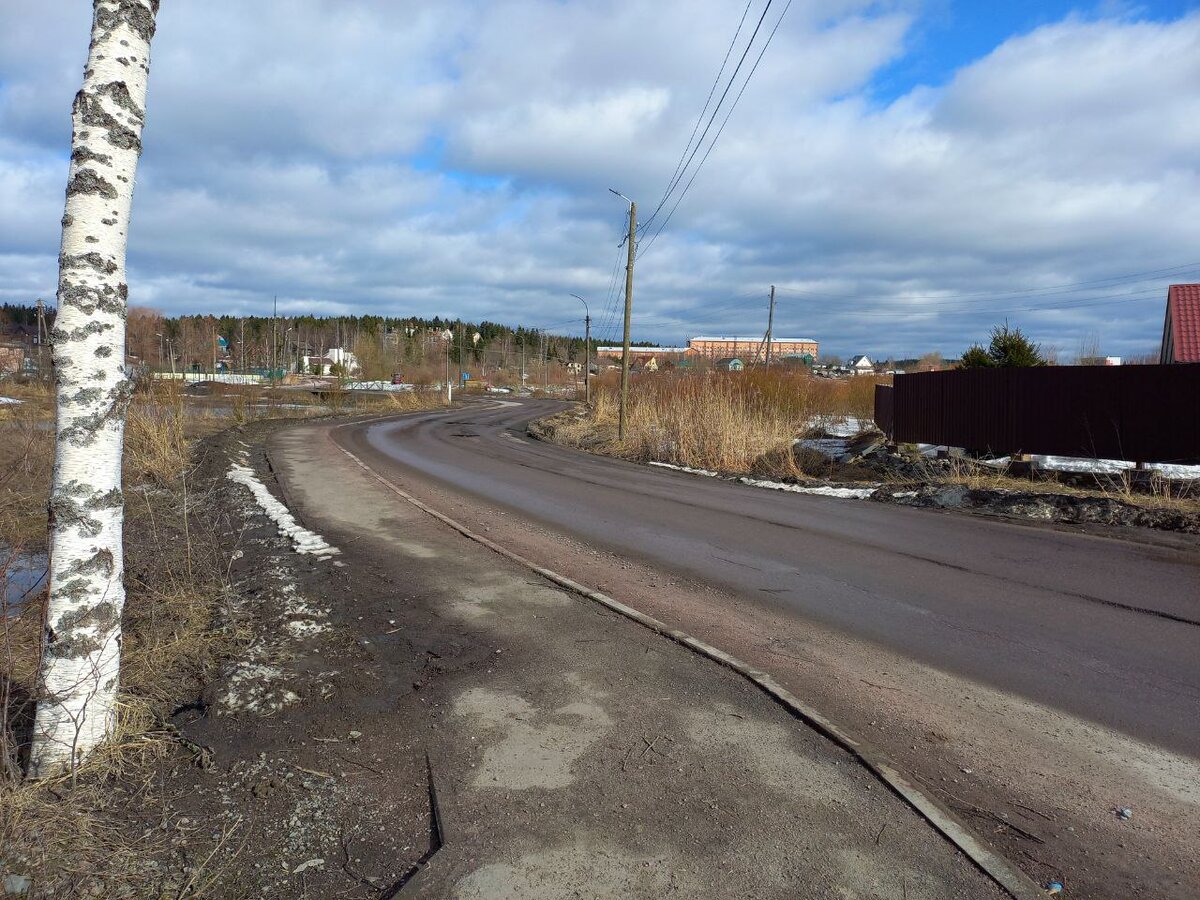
<point>1038,612</point>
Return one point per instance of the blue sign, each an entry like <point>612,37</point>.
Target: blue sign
<point>466,376</point>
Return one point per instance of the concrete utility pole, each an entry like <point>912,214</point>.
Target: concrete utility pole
<point>447,337</point>
<point>628,312</point>
<point>770,323</point>
<point>587,350</point>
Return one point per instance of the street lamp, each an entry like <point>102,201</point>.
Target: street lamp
<point>628,311</point>
<point>587,350</point>
<point>448,336</point>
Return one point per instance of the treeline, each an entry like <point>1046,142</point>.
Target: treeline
<point>383,345</point>
<point>21,314</point>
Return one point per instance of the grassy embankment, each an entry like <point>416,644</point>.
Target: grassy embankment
<point>748,422</point>
<point>64,832</point>
<point>730,422</point>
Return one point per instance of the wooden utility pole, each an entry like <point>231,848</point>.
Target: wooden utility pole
<point>43,340</point>
<point>628,313</point>
<point>770,323</point>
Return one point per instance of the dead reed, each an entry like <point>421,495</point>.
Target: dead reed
<point>726,421</point>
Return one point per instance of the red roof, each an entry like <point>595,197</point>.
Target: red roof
<point>1181,331</point>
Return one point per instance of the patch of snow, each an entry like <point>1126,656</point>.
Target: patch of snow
<point>379,386</point>
<point>904,495</point>
<point>1111,466</point>
<point>303,540</point>
<point>834,448</point>
<point>305,628</point>
<point>10,400</point>
<point>1101,466</point>
<point>690,471</point>
<point>254,687</point>
<point>820,491</point>
<point>840,426</point>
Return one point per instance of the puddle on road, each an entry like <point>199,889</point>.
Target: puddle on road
<point>22,577</point>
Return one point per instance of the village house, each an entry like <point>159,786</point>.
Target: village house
<point>1181,328</point>
<point>862,365</point>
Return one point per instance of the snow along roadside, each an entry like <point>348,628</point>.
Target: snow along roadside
<point>841,493</point>
<point>303,540</point>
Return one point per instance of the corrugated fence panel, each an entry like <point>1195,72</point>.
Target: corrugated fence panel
<point>883,408</point>
<point>1141,413</point>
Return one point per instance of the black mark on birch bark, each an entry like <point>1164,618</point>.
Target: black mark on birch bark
<point>84,154</point>
<point>102,614</point>
<point>67,513</point>
<point>88,298</point>
<point>137,14</point>
<point>88,181</point>
<point>87,261</point>
<point>92,113</point>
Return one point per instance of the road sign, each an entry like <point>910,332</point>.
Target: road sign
<point>466,376</point>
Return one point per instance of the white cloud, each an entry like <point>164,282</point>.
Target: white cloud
<point>453,159</point>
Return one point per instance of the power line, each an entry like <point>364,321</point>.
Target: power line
<point>724,121</point>
<point>716,109</point>
<point>700,118</point>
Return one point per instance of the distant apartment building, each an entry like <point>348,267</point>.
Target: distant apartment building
<point>640,353</point>
<point>750,349</point>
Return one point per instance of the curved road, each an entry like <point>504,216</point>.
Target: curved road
<point>1037,612</point>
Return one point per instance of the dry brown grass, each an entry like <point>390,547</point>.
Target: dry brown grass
<point>68,831</point>
<point>733,422</point>
<point>748,422</point>
<point>1159,493</point>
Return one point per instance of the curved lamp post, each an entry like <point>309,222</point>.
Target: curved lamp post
<point>587,350</point>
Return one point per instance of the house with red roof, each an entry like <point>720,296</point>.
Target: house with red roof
<point>1181,330</point>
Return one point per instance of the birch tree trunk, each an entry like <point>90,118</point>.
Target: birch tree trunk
<point>81,650</point>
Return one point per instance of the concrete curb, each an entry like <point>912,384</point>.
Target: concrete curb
<point>1007,875</point>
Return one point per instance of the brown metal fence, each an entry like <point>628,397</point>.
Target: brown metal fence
<point>1140,413</point>
<point>883,408</point>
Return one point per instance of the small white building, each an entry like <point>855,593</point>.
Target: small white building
<point>335,359</point>
<point>862,365</point>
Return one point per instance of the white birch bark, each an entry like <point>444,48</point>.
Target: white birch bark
<point>81,650</point>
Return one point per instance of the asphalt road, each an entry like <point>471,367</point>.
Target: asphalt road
<point>1037,612</point>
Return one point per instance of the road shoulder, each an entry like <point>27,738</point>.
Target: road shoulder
<point>589,753</point>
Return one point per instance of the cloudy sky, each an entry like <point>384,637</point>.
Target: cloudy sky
<point>907,173</point>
